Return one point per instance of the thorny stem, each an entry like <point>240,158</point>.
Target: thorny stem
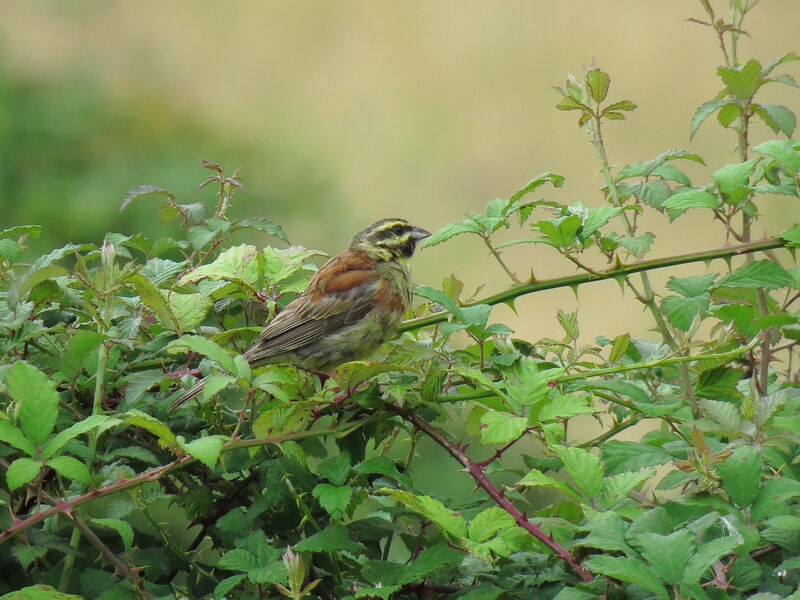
<point>613,273</point>
<point>477,472</point>
<point>499,259</point>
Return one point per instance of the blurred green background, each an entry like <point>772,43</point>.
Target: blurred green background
<point>344,112</point>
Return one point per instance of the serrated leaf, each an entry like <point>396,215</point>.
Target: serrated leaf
<point>331,539</point>
<point>706,555</point>
<point>617,487</point>
<point>622,456</point>
<point>21,471</point>
<point>13,436</point>
<point>58,441</point>
<point>584,468</point>
<point>744,81</point>
<point>667,555</point>
<point>450,230</point>
<point>26,555</point>
<point>20,230</point>
<point>10,250</point>
<point>501,428</point>
<point>778,118</point>
<point>539,180</point>
<point>619,347</point>
<point>597,83</point>
<point>206,449</point>
<point>139,419</point>
<point>758,274</point>
<point>227,584</point>
<point>488,522</point>
<point>599,217</point>
<point>447,520</point>
<point>682,201</point>
<point>735,175</point>
<point>334,499</point>
<point>384,466</point>
<point>143,190</point>
<point>37,398</point>
<point>638,245</point>
<point>238,264</point>
<point>123,528</point>
<point>153,299</point>
<point>535,478</point>
<point>694,285</point>
<point>189,310</point>
<point>783,152</point>
<point>703,111</point>
<point>741,475</point>
<point>336,469</point>
<point>206,347</point>
<point>566,406</point>
<point>238,559</point>
<point>627,569</point>
<point>682,311</point>
<point>71,468</point>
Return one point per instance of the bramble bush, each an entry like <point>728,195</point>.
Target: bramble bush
<point>276,483</point>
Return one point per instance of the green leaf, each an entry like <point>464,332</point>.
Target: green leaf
<point>682,201</point>
<point>703,111</point>
<point>207,348</point>
<point>638,245</point>
<point>773,495</point>
<point>695,285</point>
<point>384,466</point>
<point>682,311</point>
<point>21,471</point>
<point>627,569</point>
<point>334,499</point>
<point>599,217</point>
<point>729,113</point>
<point>584,468</point>
<point>622,456</point>
<point>143,190</point>
<point>616,488</point>
<point>778,118</point>
<point>597,82</point>
<point>123,528</point>
<point>758,274</point>
<point>139,419</point>
<point>566,406</point>
<point>667,555</point>
<point>238,264</point>
<point>334,537</point>
<point>57,442</point>
<point>451,230</point>
<point>227,584</point>
<point>488,522</point>
<point>744,81</point>
<point>10,250</point>
<point>539,180</point>
<point>535,478</point>
<point>238,559</point>
<point>189,310</point>
<point>206,449</point>
<point>783,152</point>
<point>449,521</point>
<point>501,428</point>
<point>741,475</point>
<point>735,175</point>
<point>71,468</point>
<point>792,236</point>
<point>560,233</point>
<point>153,299</point>
<point>26,555</point>
<point>336,469</point>
<point>706,555</point>
<point>20,230</point>
<point>13,436</point>
<point>37,398</point>
<point>262,224</point>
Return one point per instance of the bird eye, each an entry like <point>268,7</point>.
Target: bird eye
<point>398,230</point>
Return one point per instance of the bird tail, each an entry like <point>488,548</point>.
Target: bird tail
<point>189,394</point>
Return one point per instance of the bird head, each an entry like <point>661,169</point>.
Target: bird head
<point>389,239</point>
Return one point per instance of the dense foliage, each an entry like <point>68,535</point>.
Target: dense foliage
<point>281,482</point>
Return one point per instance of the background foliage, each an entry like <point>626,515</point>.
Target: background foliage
<point>278,483</point>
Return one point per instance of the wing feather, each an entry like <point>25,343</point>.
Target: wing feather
<point>341,292</point>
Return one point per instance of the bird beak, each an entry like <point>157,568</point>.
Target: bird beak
<point>418,233</point>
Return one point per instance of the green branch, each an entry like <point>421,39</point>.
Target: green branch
<point>582,278</point>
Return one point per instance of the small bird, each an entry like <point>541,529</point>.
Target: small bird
<point>352,304</point>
